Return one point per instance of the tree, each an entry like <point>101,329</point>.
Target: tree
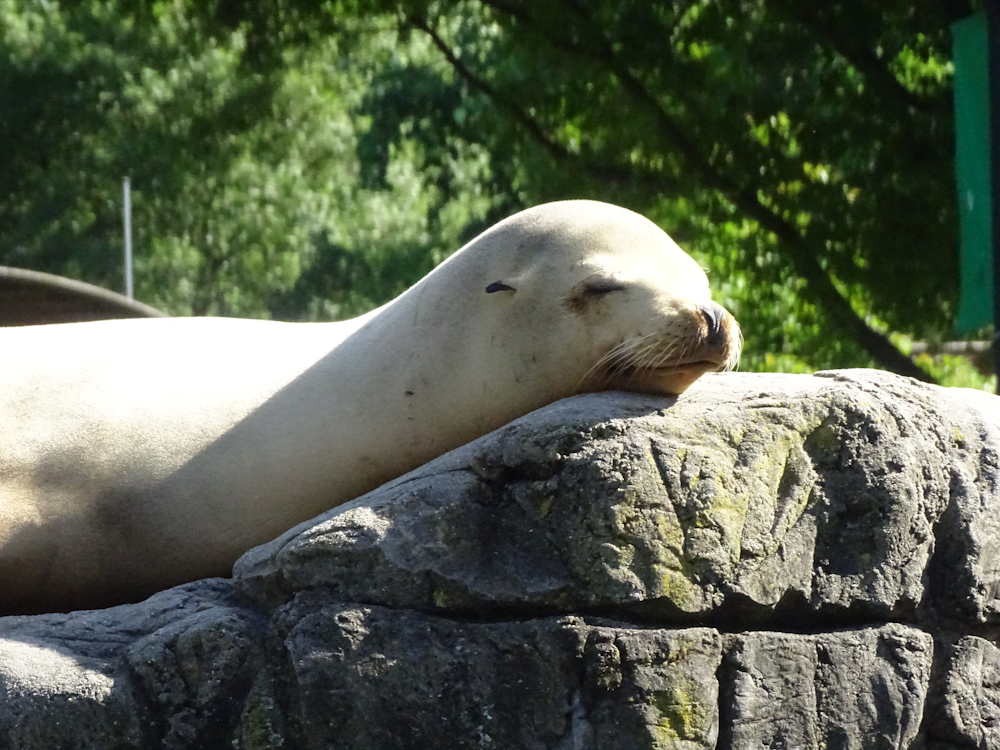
<point>248,198</point>
<point>817,141</point>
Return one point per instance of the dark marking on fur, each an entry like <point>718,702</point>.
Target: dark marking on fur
<point>499,286</point>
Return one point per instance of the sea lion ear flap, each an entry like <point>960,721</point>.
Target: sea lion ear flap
<point>499,286</point>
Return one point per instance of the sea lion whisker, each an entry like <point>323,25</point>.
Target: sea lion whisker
<point>640,357</point>
<point>626,352</point>
<point>668,353</point>
<point>643,359</point>
<point>649,360</point>
<point>602,364</point>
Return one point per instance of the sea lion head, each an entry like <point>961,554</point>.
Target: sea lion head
<point>614,300</point>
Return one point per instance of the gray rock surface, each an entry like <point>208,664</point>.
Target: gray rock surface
<point>767,562</point>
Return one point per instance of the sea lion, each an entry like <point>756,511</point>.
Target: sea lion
<point>140,454</point>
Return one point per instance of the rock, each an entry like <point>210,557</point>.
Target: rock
<point>435,682</point>
<point>769,561</point>
<point>841,689</point>
<point>968,710</point>
<point>750,496</point>
<point>77,680</point>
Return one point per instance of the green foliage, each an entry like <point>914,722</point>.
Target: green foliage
<point>828,130</point>
<point>247,190</point>
<point>310,160</point>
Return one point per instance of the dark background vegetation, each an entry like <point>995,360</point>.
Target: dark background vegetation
<point>310,160</point>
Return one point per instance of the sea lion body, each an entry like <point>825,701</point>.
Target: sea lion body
<point>138,454</point>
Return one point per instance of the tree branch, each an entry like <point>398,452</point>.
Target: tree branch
<point>522,118</point>
<point>606,171</point>
<point>855,49</point>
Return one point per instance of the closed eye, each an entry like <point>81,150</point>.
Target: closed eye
<point>598,289</point>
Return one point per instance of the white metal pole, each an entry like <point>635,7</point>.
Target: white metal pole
<point>127,211</point>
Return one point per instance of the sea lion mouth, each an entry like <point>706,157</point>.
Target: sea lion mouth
<point>705,365</point>
<point>669,381</point>
<point>625,370</point>
<point>668,378</point>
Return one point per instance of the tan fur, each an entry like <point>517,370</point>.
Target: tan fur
<point>138,454</point>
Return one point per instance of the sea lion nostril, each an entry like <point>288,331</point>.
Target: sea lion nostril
<point>714,315</point>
